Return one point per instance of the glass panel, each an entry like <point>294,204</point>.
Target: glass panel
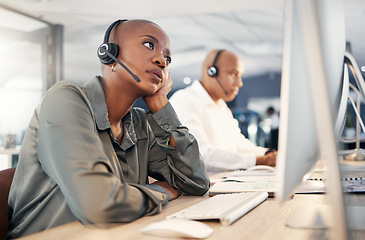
<point>20,75</point>
<point>20,88</point>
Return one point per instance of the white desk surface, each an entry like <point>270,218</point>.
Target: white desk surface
<point>267,221</point>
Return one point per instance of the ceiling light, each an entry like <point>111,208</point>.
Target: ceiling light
<point>187,80</point>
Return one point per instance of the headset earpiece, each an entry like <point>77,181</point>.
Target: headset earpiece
<point>213,70</point>
<point>112,48</point>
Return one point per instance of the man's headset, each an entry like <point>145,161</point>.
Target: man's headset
<point>108,52</point>
<point>213,70</point>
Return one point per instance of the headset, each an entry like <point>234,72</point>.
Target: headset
<point>213,70</point>
<point>108,52</point>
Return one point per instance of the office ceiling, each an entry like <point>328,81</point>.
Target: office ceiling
<point>253,29</point>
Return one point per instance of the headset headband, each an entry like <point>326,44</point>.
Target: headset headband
<point>216,57</point>
<point>110,28</point>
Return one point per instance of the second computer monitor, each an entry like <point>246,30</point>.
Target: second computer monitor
<point>312,93</point>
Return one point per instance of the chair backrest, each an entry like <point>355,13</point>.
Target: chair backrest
<point>6,177</point>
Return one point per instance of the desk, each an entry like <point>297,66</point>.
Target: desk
<point>267,221</point>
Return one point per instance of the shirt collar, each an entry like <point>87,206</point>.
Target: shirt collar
<point>94,91</point>
<point>198,88</point>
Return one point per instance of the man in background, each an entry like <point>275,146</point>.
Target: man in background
<point>202,108</point>
<point>274,128</point>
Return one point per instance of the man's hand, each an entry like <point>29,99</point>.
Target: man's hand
<point>268,159</point>
<point>174,193</point>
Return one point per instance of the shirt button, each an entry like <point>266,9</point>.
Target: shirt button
<point>165,127</point>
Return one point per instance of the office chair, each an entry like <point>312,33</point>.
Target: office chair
<point>6,177</point>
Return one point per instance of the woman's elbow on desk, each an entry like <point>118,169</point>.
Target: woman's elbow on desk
<point>198,188</point>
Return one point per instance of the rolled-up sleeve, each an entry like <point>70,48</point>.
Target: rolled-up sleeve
<point>181,166</point>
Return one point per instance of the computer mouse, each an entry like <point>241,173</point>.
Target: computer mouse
<point>261,168</point>
<point>178,228</point>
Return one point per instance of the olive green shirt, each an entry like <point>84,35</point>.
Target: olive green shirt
<point>71,167</point>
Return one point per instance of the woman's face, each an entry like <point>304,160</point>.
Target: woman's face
<point>146,51</point>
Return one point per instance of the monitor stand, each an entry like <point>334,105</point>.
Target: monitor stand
<point>320,217</point>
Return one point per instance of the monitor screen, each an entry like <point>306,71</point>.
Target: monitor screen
<point>298,140</point>
<point>313,91</point>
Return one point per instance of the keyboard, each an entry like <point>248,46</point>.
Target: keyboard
<point>227,208</point>
<point>244,173</point>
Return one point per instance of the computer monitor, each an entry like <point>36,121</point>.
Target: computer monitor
<point>312,94</point>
